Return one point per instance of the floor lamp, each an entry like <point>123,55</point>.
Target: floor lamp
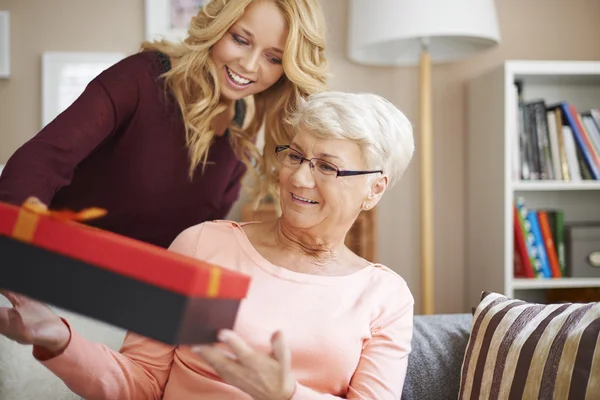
<point>407,32</point>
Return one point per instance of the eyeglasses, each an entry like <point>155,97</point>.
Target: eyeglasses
<point>293,159</point>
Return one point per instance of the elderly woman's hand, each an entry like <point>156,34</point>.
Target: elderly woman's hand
<point>262,376</point>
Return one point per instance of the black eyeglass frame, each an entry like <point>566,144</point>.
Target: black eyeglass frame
<point>280,148</point>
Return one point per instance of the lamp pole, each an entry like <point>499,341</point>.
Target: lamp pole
<point>425,127</point>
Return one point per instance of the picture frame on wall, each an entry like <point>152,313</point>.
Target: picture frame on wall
<point>170,19</point>
<point>65,76</point>
<point>4,44</point>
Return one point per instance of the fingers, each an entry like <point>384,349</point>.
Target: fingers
<point>221,361</point>
<point>4,319</point>
<point>5,311</point>
<point>239,347</point>
<point>14,298</point>
<point>281,352</point>
<point>212,354</point>
<point>35,203</point>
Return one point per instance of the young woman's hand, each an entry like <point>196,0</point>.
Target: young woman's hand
<point>262,376</point>
<point>33,323</point>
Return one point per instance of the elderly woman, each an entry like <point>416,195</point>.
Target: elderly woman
<point>319,322</point>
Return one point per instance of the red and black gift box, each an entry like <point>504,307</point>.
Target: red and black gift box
<point>52,257</point>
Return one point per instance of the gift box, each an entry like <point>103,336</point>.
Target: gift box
<point>53,257</point>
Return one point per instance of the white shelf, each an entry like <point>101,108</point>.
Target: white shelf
<point>491,188</point>
<point>555,283</point>
<point>532,186</point>
<point>549,72</point>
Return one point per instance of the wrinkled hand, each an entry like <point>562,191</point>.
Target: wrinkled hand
<point>30,322</point>
<point>262,376</point>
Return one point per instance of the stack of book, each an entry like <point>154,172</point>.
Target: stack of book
<point>555,141</point>
<point>539,242</point>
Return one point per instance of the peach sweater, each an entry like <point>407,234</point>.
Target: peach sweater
<point>349,336</point>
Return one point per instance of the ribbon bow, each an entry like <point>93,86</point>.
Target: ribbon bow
<point>32,209</point>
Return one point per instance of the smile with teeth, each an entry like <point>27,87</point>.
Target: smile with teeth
<point>237,78</point>
<point>303,199</point>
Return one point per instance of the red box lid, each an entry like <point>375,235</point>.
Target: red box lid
<point>129,257</point>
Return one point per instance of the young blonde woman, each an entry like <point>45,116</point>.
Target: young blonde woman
<point>161,140</point>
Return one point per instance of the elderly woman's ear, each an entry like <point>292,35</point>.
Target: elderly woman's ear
<point>377,190</point>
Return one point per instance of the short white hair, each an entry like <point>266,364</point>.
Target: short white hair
<point>382,131</point>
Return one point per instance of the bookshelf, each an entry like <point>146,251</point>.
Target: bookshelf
<point>492,183</point>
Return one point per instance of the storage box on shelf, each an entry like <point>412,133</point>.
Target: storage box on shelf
<point>494,179</point>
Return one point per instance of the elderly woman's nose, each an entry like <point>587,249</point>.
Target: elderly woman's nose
<point>303,176</point>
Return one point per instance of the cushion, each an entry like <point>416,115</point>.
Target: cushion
<point>526,350</point>
<point>438,347</point>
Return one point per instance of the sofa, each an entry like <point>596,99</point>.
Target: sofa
<point>434,365</point>
<point>439,343</point>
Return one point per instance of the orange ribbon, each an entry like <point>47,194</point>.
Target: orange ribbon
<point>31,210</point>
<point>214,282</point>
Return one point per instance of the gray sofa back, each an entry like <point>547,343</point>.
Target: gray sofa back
<point>439,343</point>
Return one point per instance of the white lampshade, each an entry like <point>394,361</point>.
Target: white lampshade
<point>389,32</point>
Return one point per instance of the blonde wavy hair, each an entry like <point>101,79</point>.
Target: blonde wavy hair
<point>194,84</point>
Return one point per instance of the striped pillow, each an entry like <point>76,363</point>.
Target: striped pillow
<point>532,351</point>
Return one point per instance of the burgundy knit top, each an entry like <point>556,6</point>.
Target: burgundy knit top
<point>121,146</point>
